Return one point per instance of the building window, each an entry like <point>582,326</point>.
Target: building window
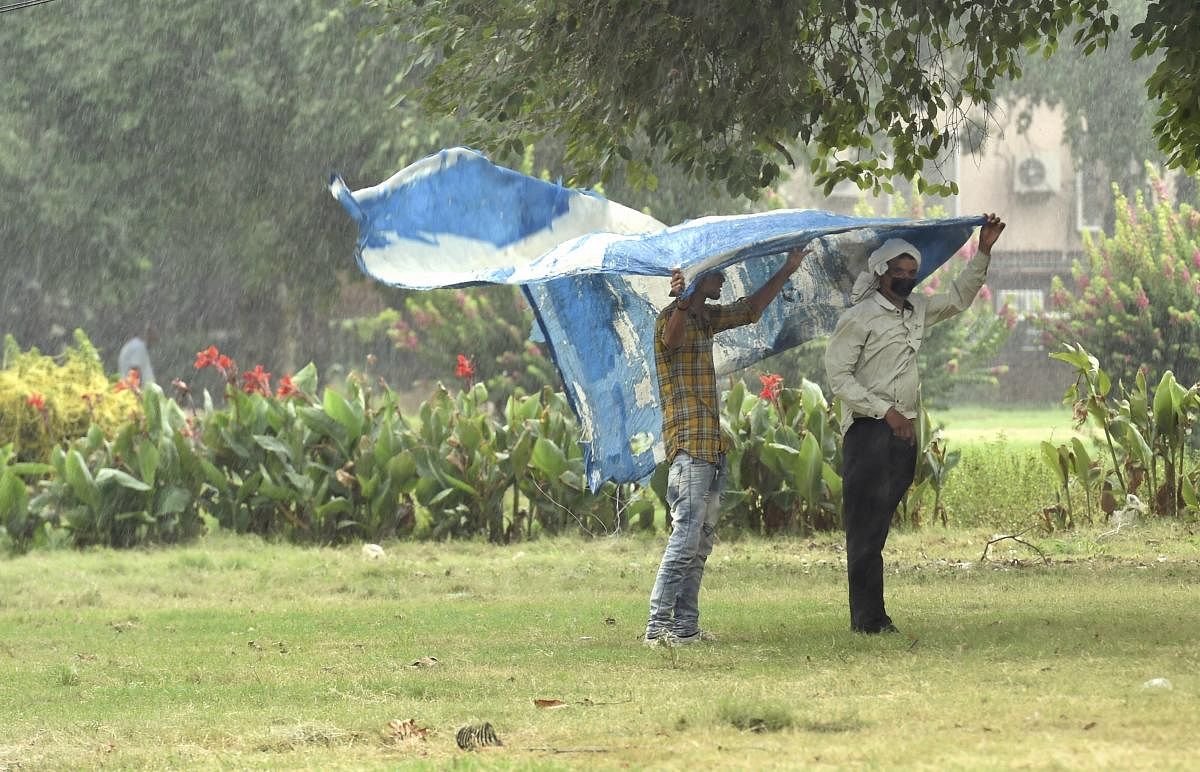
<point>1023,301</point>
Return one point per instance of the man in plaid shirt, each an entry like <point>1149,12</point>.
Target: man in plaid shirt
<point>687,383</point>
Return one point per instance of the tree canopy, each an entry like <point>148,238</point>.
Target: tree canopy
<point>165,165</point>
<point>725,90</point>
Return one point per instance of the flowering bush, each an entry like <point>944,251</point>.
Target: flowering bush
<point>487,328</point>
<point>1135,303</point>
<point>46,403</point>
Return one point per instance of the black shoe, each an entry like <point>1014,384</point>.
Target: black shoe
<point>885,628</point>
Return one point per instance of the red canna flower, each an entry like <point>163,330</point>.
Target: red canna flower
<point>257,381</point>
<point>287,388</point>
<point>772,383</point>
<point>206,357</point>
<point>132,381</point>
<point>224,364</point>
<point>465,369</point>
<point>36,401</point>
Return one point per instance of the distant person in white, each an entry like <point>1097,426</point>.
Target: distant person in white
<point>135,355</point>
<point>871,363</point>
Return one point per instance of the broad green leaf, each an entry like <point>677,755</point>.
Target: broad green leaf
<point>1165,405</point>
<point>470,434</point>
<point>172,501</point>
<point>1137,446</point>
<point>147,459</point>
<point>807,470</point>
<point>121,478</point>
<point>347,414</point>
<point>151,398</point>
<point>1054,460</point>
<point>1082,461</point>
<point>1189,494</point>
<point>302,484</point>
<point>79,477</point>
<point>321,424</point>
<point>548,458</point>
<point>401,467</point>
<point>335,506</point>
<point>306,379</point>
<point>14,502</point>
<point>30,469</point>
<point>462,485</point>
<point>273,445</point>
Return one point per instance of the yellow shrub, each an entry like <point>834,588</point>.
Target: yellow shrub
<point>74,394</point>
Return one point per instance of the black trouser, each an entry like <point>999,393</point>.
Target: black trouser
<point>877,468</point>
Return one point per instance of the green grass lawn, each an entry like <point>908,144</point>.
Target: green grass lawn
<point>1018,428</point>
<point>237,654</point>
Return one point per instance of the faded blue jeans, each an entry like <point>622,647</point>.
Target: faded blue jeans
<point>694,496</point>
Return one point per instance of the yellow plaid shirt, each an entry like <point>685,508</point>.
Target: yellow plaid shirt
<point>687,380</point>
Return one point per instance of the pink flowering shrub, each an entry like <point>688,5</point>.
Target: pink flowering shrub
<point>1135,303</point>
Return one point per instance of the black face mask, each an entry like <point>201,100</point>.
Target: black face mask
<point>903,287</point>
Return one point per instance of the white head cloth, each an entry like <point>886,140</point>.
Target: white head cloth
<point>877,264</point>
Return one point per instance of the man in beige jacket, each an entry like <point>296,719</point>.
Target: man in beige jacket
<point>871,364</point>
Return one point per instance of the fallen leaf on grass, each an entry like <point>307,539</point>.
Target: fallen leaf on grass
<point>550,704</point>
<point>399,731</point>
<point>424,662</point>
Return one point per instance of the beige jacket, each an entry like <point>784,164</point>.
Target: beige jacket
<point>871,360</point>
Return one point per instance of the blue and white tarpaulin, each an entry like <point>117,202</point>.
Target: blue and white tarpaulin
<point>594,272</point>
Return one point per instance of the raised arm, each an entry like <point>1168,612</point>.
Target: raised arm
<point>763,296</point>
<point>966,285</point>
<point>676,327</point>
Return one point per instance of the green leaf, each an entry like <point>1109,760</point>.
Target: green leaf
<point>402,467</point>
<point>273,445</point>
<point>548,458</point>
<point>1166,408</point>
<point>79,477</point>
<point>1054,460</point>
<point>14,502</point>
<point>1137,446</point>
<point>148,458</point>
<point>349,416</point>
<point>462,485</point>
<point>30,469</point>
<point>306,380</point>
<point>322,425</point>
<point>1189,494</point>
<point>173,500</point>
<point>121,478</point>
<point>1082,460</point>
<point>807,471</point>
<point>335,506</point>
